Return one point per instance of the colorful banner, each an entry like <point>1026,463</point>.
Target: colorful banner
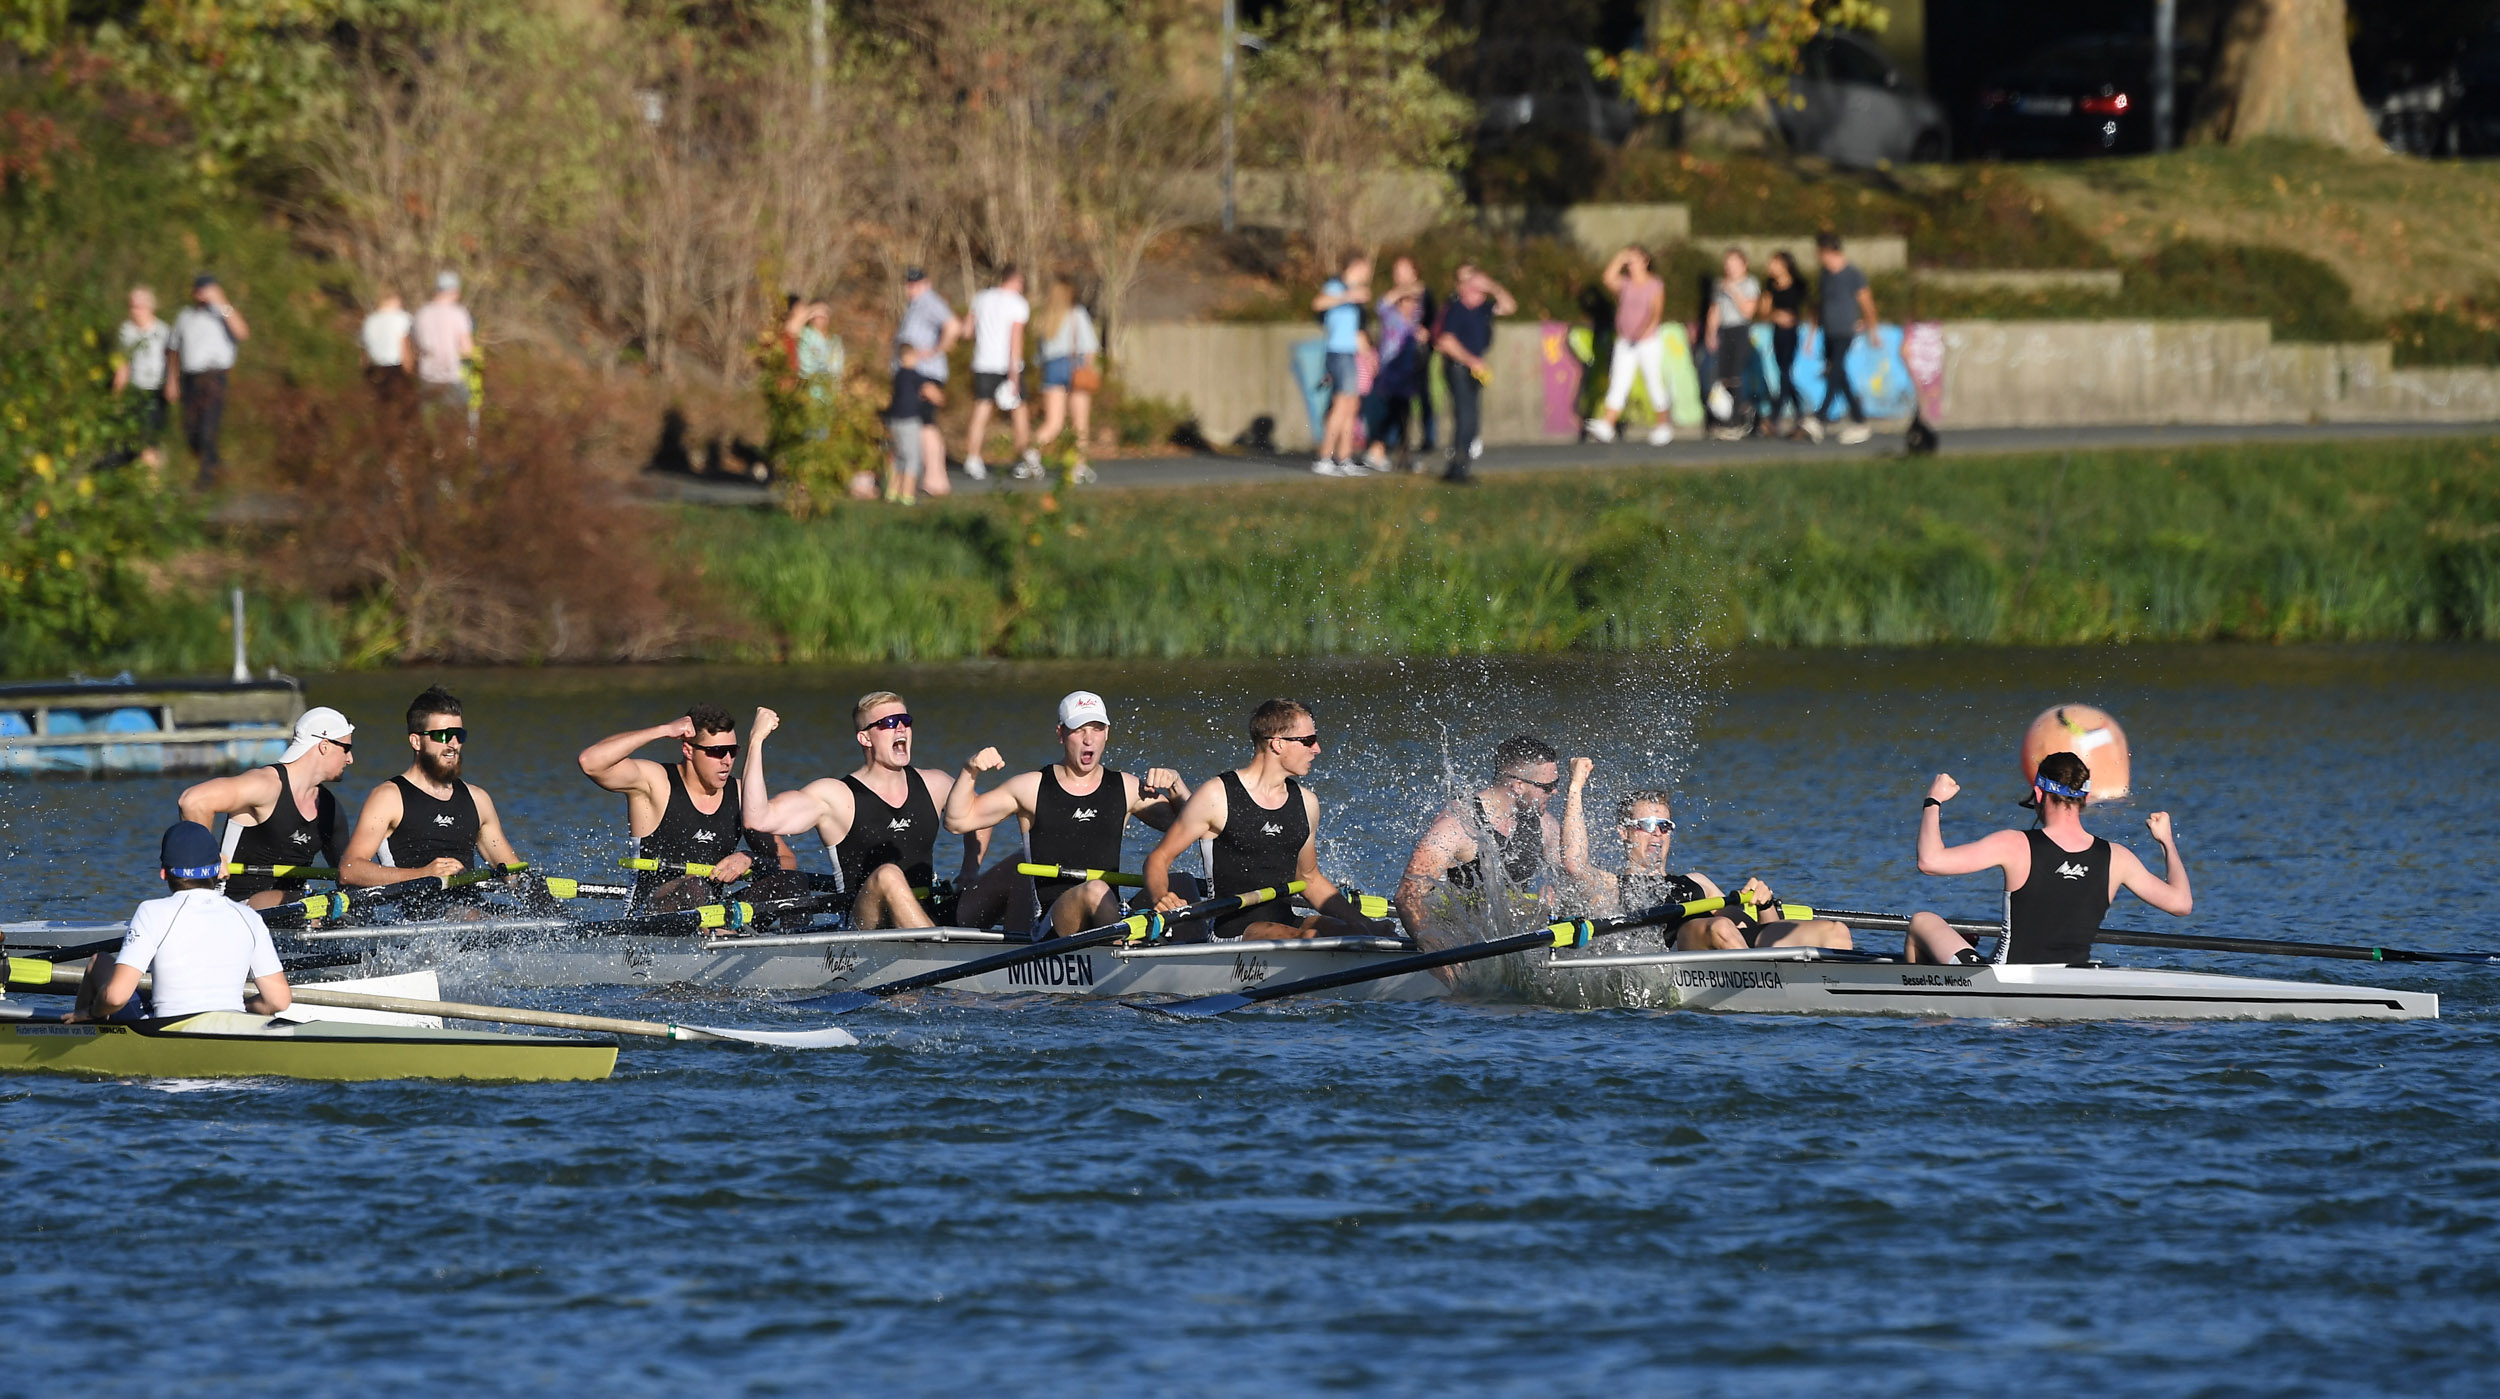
<point>1561,370</point>
<point>1874,366</point>
<point>1923,353</point>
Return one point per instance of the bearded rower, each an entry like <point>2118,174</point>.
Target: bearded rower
<point>685,814</point>
<point>1646,821</point>
<point>880,822</point>
<point>426,823</point>
<point>2060,879</point>
<point>1264,827</point>
<point>1497,842</point>
<point>282,814</point>
<point>1074,813</point>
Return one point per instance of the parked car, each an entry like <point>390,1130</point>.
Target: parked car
<point>1530,89</point>
<point>2080,97</point>
<point>1852,107</point>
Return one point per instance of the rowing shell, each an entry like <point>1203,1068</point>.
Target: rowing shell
<point>1810,981</point>
<point>232,1044</point>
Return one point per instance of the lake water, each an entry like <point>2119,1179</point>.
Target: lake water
<point>1457,1197</point>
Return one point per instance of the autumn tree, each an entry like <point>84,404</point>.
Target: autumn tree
<point>1728,55</point>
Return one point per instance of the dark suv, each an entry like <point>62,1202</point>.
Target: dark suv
<point>2091,96</point>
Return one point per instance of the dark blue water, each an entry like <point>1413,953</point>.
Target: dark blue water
<point>1041,1198</point>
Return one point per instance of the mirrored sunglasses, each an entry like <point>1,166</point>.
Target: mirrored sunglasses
<point>891,721</point>
<point>1654,825</point>
<point>445,735</point>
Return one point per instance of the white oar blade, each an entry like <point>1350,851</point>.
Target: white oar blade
<point>831,1037</point>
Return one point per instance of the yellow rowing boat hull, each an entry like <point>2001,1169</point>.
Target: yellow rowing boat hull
<point>230,1044</point>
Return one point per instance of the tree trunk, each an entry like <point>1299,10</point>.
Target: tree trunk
<point>2283,69</point>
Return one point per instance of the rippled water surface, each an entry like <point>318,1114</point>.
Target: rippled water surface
<point>1463,1197</point>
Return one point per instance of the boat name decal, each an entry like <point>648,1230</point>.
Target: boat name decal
<point>1728,978</point>
<point>1066,969</point>
<point>1933,979</point>
<point>1249,970</point>
<point>84,1032</point>
<point>840,962</point>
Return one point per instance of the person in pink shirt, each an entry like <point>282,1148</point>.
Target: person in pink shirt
<point>1640,343</point>
<point>445,337</point>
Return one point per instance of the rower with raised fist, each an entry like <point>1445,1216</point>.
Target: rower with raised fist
<point>429,822</point>
<point>282,814</point>
<point>1645,820</point>
<point>2060,879</point>
<point>1491,850</point>
<point>880,821</point>
<point>1074,814</point>
<point>687,812</point>
<point>1264,826</point>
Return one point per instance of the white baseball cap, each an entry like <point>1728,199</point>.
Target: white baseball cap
<point>1083,707</point>
<point>314,725</point>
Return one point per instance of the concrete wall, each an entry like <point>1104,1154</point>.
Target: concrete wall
<point>2040,374</point>
<point>1392,207</point>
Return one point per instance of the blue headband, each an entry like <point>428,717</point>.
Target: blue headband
<point>2060,789</point>
<point>197,872</point>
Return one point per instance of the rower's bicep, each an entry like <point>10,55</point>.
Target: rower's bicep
<point>375,823</point>
<point>1995,851</point>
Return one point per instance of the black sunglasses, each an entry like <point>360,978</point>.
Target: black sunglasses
<point>891,721</point>
<point>715,750</point>
<point>1545,787</point>
<point>445,735</point>
<point>342,745</point>
<point>1306,740</point>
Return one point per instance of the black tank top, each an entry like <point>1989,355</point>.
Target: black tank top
<point>430,829</point>
<point>1646,891</point>
<point>880,834</point>
<point>1518,855</point>
<point>1259,848</point>
<point>686,836</point>
<point>1075,832</point>
<point>286,838</point>
<point>2053,916</point>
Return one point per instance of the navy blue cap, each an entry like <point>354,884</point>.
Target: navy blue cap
<point>190,852</point>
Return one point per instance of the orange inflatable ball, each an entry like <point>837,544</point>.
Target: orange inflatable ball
<point>2089,734</point>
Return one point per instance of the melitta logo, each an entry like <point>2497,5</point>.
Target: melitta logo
<point>1082,813</point>
<point>706,837</point>
<point>2071,870</point>
<point>1271,829</point>
<point>301,838</point>
<point>443,821</point>
<point>899,823</point>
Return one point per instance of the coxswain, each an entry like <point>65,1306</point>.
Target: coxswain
<point>282,814</point>
<point>1264,827</point>
<point>1646,821</point>
<point>198,946</point>
<point>880,821</point>
<point>1496,845</point>
<point>2060,879</point>
<point>686,813</point>
<point>1074,814</point>
<point>428,822</point>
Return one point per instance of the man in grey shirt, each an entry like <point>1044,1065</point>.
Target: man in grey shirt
<point>1847,311</point>
<point>930,329</point>
<point>140,369</point>
<point>205,337</point>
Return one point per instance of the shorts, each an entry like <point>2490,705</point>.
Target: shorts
<point>985,386</point>
<point>1059,373</point>
<point>1343,375</point>
<point>905,441</point>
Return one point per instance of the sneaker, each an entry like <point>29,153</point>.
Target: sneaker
<point>1082,474</point>
<point>1325,466</point>
<point>1598,430</point>
<point>1459,475</point>
<point>1032,458</point>
<point>1376,461</point>
<point>1661,435</point>
<point>1028,471</point>
<point>1729,434</point>
<point>1854,434</point>
<point>974,468</point>
<point>1814,429</point>
<point>1475,450</point>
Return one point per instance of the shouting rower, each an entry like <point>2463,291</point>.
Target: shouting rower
<point>2060,879</point>
<point>1264,825</point>
<point>282,814</point>
<point>197,946</point>
<point>428,822</point>
<point>1074,813</point>
<point>686,814</point>
<point>1498,842</point>
<point>880,822</point>
<point>1646,822</point>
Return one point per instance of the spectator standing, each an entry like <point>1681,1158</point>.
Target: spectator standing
<point>390,353</point>
<point>445,338</point>
<point>1399,379</point>
<point>1846,310</point>
<point>1464,339</point>
<point>929,330</point>
<point>910,417</point>
<point>205,337</point>
<point>140,371</point>
<point>1069,378</point>
<point>1784,304</point>
<point>999,316</point>
<point>816,354</point>
<point>1339,307</point>
<point>1640,344</point>
<point>1728,329</point>
<point>1406,282</point>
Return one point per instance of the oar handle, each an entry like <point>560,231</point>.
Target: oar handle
<point>1126,881</point>
<point>285,871</point>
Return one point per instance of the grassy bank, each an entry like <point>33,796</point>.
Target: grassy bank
<point>2397,541</point>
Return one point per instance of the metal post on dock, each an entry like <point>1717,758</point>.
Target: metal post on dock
<point>242,671</point>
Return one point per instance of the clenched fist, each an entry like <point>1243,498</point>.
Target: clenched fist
<point>2159,824</point>
<point>765,722</point>
<point>987,760</point>
<point>1944,788</point>
<point>1580,770</point>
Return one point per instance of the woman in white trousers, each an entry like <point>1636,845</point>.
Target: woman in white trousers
<point>1640,344</point>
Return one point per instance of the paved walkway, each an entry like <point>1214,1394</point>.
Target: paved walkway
<point>1241,468</point>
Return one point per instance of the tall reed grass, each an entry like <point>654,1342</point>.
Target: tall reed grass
<point>2268,543</point>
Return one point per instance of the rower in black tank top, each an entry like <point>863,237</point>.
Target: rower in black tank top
<point>881,834</point>
<point>1642,891</point>
<point>1259,848</point>
<point>1075,832</point>
<point>1518,855</point>
<point>2053,916</point>
<point>286,838</point>
<point>687,836</point>
<point>429,829</point>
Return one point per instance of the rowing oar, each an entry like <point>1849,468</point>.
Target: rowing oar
<point>1135,925</point>
<point>285,871</point>
<point>1371,905</point>
<point>1574,932</point>
<point>2256,947</point>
